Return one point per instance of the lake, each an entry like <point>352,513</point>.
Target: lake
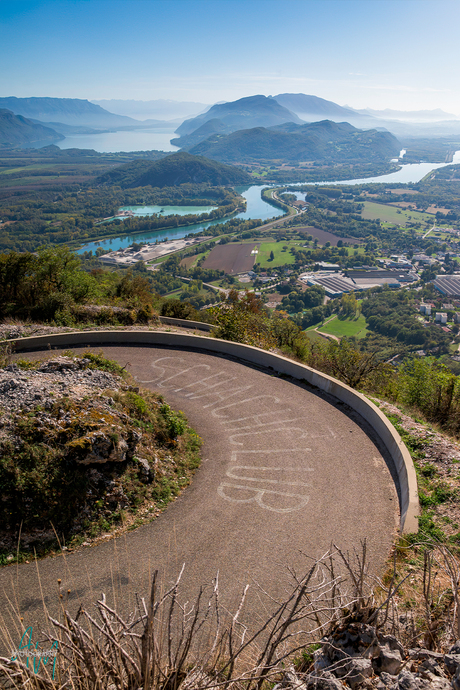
<point>167,210</point>
<point>155,139</point>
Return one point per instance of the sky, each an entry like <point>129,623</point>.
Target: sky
<point>398,54</point>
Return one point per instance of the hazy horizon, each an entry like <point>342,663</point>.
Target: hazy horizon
<point>374,54</point>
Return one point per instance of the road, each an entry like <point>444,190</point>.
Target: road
<point>428,232</point>
<point>285,472</point>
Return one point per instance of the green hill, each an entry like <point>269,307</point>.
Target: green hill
<point>210,127</point>
<point>175,169</point>
<point>16,130</point>
<point>325,142</point>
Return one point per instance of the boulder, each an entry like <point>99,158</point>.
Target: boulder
<point>354,671</point>
<point>388,661</point>
<point>452,662</point>
<point>99,448</point>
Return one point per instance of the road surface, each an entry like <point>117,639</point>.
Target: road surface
<point>285,472</point>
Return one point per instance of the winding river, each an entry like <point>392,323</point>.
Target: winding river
<point>257,207</point>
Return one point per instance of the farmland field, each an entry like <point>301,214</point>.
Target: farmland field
<point>323,236</point>
<point>232,257</point>
<point>190,261</point>
<point>281,258</point>
<point>314,336</point>
<point>393,214</point>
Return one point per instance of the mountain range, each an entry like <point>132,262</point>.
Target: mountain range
<point>69,111</point>
<point>261,111</point>
<point>68,116</point>
<point>436,115</point>
<point>253,111</point>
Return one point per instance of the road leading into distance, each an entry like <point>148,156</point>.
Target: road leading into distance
<point>286,471</point>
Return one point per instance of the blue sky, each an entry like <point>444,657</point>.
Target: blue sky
<point>400,54</point>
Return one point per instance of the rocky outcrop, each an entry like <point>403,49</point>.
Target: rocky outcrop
<point>21,389</point>
<point>83,450</point>
<point>359,656</point>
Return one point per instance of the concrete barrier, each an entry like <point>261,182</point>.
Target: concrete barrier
<point>193,325</point>
<point>409,504</point>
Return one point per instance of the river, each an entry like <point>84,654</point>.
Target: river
<point>257,208</point>
<point>412,172</point>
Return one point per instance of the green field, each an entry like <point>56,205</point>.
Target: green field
<point>393,214</point>
<point>350,327</point>
<point>314,336</point>
<point>281,258</point>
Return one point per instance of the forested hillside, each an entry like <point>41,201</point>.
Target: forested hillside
<point>324,142</point>
<point>16,130</point>
<point>176,169</point>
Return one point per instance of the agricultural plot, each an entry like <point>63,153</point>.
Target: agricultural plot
<point>281,257</point>
<point>393,214</point>
<point>323,236</point>
<point>232,257</point>
<point>191,261</point>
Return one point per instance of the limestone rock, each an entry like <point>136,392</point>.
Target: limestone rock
<point>354,671</point>
<point>388,661</point>
<point>451,662</point>
<point>103,449</point>
<point>324,681</point>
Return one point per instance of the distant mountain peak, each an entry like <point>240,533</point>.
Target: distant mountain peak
<point>70,111</point>
<point>17,130</point>
<point>244,113</point>
<point>313,108</point>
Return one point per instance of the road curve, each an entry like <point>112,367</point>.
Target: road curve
<point>286,471</point>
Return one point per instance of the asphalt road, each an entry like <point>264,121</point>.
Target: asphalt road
<point>285,473</point>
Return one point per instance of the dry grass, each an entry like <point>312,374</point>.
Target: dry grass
<point>167,642</point>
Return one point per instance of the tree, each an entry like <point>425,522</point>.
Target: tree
<point>272,255</point>
<point>243,319</point>
<point>343,362</point>
<point>43,283</point>
<point>349,304</point>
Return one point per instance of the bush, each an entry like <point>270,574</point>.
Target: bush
<point>176,309</point>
